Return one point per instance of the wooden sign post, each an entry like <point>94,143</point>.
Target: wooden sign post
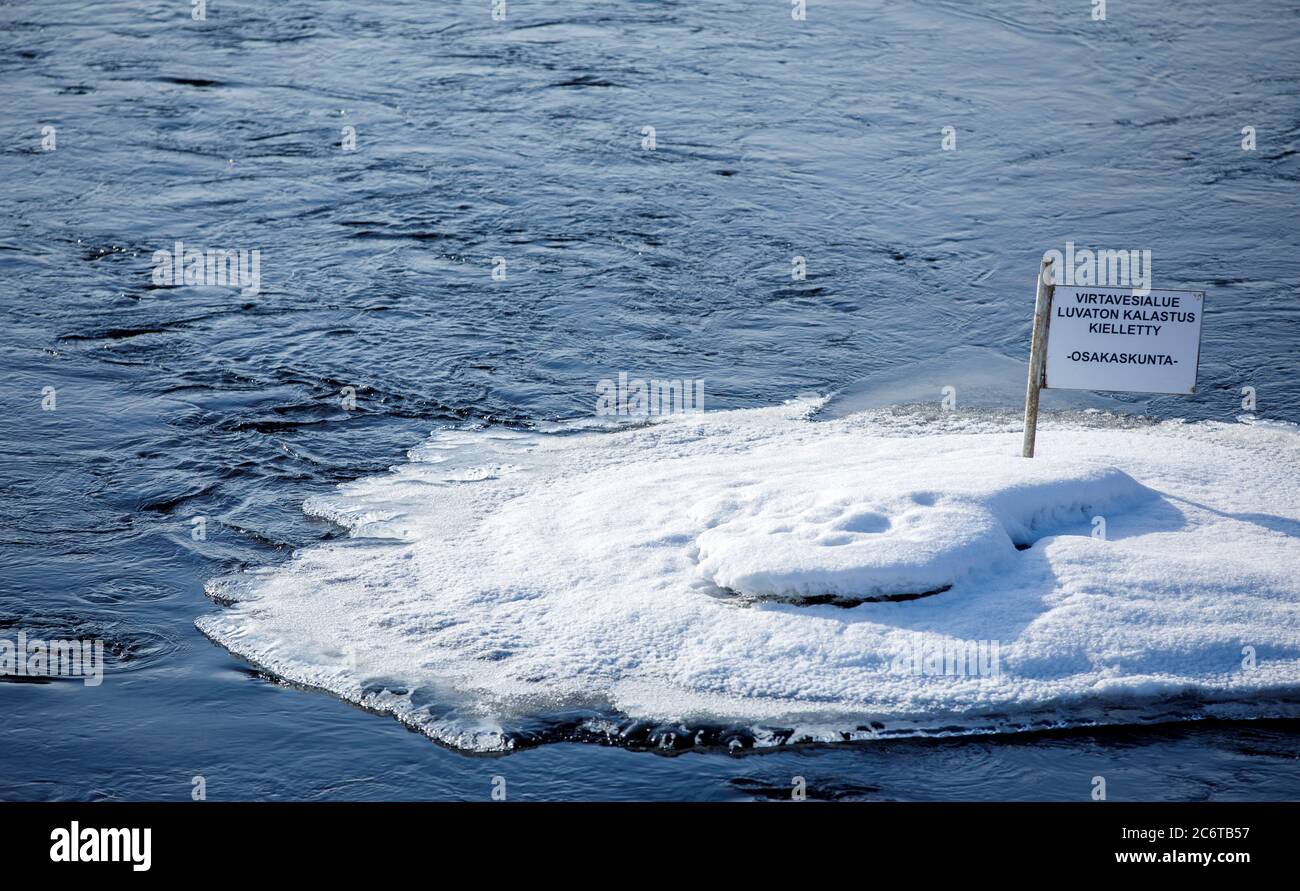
<point>1037,353</point>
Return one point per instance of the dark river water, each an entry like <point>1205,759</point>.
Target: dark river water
<point>526,140</point>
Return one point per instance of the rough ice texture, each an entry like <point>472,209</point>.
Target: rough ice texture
<point>503,582</point>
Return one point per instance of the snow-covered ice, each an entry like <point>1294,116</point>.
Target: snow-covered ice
<point>661,576</point>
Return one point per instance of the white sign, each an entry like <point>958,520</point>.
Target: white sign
<point>1116,339</point>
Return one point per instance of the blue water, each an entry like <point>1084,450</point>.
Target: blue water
<point>522,139</point>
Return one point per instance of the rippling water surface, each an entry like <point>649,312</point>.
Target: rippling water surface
<point>522,139</point>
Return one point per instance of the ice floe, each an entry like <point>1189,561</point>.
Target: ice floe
<point>749,576</point>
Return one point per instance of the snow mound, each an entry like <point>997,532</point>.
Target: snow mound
<point>506,587</point>
<point>897,526</point>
